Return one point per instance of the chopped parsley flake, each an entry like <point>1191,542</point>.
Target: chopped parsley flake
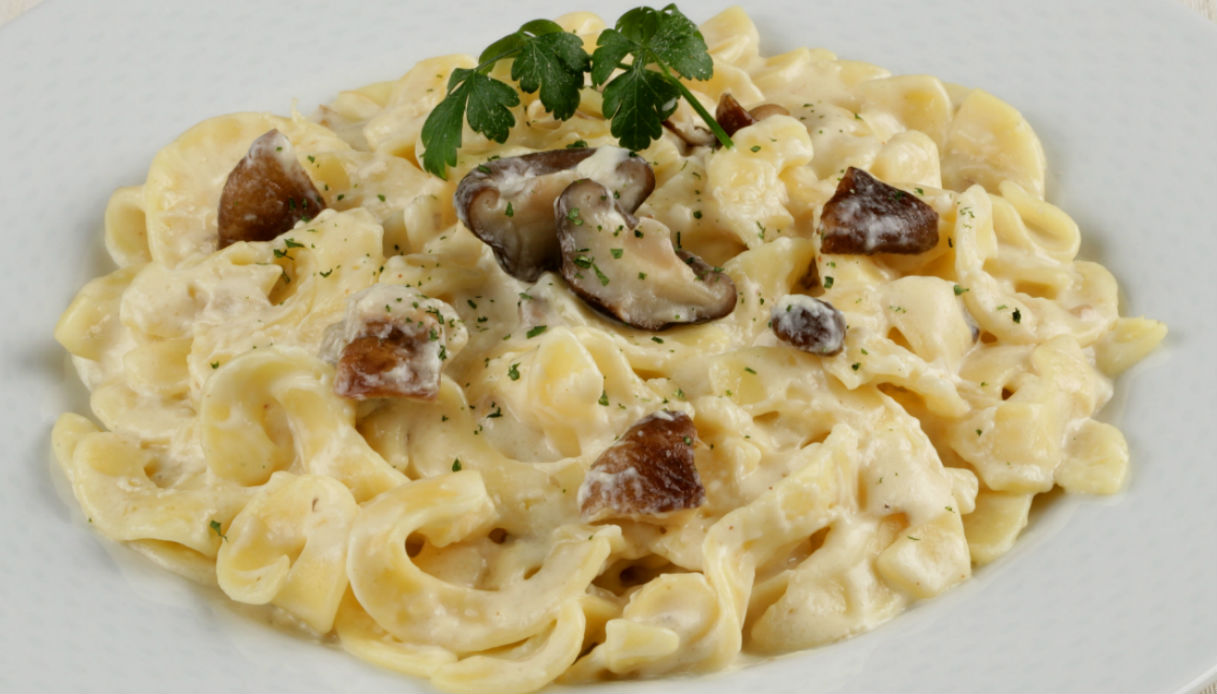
<point>217,529</point>
<point>536,330</point>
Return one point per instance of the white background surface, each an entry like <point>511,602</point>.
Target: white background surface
<point>1113,594</point>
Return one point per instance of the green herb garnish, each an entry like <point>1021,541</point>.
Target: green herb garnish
<point>652,48</point>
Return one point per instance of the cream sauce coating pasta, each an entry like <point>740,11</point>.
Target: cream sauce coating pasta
<point>442,536</point>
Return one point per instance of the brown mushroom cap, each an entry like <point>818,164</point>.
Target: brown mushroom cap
<point>509,203</point>
<point>648,471</point>
<point>809,324</point>
<point>866,215</point>
<point>392,342</point>
<point>627,268</point>
<point>266,193</point>
<point>731,116</point>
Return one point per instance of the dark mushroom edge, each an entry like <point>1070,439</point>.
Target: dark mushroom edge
<point>730,115</point>
<point>809,324</point>
<point>866,215</point>
<point>626,267</point>
<point>393,342</point>
<point>266,193</point>
<point>648,471</point>
<point>509,203</point>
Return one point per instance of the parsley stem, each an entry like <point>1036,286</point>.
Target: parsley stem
<point>715,128</point>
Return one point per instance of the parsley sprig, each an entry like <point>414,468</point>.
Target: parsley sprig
<point>543,57</point>
<point>640,99</point>
<point>650,47</point>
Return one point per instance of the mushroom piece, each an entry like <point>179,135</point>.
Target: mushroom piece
<point>866,215</point>
<point>809,324</point>
<point>648,471</point>
<point>626,267</point>
<point>509,203</point>
<point>392,342</point>
<point>266,193</point>
<point>731,116</point>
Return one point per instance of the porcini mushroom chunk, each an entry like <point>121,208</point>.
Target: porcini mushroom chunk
<point>648,471</point>
<point>809,324</point>
<point>866,215</point>
<point>509,203</point>
<point>627,268</point>
<point>731,116</point>
<point>266,193</point>
<point>392,342</point>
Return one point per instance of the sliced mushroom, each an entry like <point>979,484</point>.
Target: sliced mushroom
<point>648,471</point>
<point>810,324</point>
<point>392,342</point>
<point>627,268</point>
<point>266,193</point>
<point>731,116</point>
<point>509,203</point>
<point>866,216</point>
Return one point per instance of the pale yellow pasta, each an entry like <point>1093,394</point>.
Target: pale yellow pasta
<point>126,227</point>
<point>288,547</point>
<point>442,536</point>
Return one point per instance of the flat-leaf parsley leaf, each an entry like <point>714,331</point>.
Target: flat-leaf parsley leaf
<point>544,57</point>
<point>652,48</point>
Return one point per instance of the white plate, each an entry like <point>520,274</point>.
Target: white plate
<point>1100,594</point>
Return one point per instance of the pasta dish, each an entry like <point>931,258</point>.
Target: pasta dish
<point>575,412</point>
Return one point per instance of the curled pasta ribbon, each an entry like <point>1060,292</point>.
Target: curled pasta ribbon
<point>126,227</point>
<point>988,142</point>
<point>110,476</point>
<point>362,636</point>
<point>185,178</point>
<point>919,103</point>
<point>743,539</point>
<point>273,409</point>
<point>1018,443</point>
<point>459,618</point>
<point>90,325</point>
<point>288,547</point>
<point>672,622</point>
<point>523,668</point>
<point>744,187</point>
